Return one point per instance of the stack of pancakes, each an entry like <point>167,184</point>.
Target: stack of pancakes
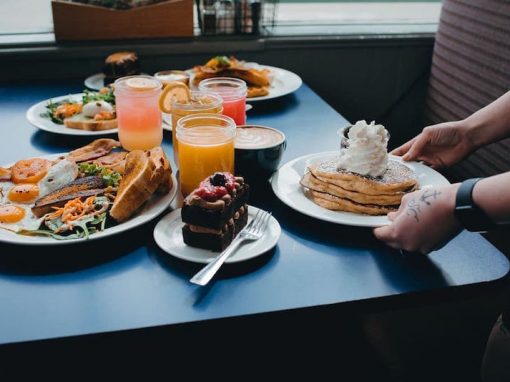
<point>340,190</point>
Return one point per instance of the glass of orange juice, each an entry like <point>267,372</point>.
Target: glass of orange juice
<point>138,114</point>
<point>206,145</point>
<point>199,103</point>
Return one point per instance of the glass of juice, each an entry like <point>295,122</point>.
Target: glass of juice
<point>167,76</point>
<point>206,145</point>
<point>199,103</point>
<point>233,92</point>
<point>138,113</point>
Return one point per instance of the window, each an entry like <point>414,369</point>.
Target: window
<point>31,20</point>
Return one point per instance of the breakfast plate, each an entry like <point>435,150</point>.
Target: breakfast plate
<point>283,81</point>
<point>151,209</point>
<point>286,186</point>
<point>168,236</point>
<point>36,118</point>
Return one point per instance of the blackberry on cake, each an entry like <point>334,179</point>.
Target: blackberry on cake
<point>215,212</point>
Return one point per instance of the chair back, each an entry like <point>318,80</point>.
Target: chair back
<point>470,69</point>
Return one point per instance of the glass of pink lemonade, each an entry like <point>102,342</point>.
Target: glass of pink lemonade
<point>138,114</point>
<point>233,92</point>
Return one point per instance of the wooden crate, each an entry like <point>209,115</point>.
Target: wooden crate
<point>75,21</point>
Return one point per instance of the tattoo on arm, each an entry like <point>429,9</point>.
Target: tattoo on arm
<point>426,199</point>
<point>413,209</point>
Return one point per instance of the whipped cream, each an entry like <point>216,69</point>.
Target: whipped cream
<point>367,150</point>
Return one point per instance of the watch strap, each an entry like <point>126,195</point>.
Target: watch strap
<point>472,217</point>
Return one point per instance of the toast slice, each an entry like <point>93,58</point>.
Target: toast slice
<point>141,179</point>
<point>158,156</point>
<point>79,121</point>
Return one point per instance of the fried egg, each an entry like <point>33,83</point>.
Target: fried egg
<point>16,218</point>
<point>60,174</point>
<point>17,199</point>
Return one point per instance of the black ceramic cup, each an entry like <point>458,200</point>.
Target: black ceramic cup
<point>258,152</point>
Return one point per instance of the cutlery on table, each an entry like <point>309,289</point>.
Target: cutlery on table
<point>253,231</point>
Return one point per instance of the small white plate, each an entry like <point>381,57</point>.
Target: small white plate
<point>168,236</point>
<point>46,124</point>
<point>152,208</point>
<point>283,81</point>
<point>96,81</point>
<point>286,186</point>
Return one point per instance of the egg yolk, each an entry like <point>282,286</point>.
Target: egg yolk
<point>11,214</point>
<point>23,193</point>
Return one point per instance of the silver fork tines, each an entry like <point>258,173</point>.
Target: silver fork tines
<point>253,231</point>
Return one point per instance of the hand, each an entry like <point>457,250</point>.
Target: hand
<point>439,145</point>
<point>424,222</point>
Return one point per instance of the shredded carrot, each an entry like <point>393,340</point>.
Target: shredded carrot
<point>74,209</point>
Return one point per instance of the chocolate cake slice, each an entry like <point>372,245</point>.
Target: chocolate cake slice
<point>215,212</point>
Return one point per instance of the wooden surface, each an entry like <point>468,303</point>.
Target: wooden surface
<point>76,22</point>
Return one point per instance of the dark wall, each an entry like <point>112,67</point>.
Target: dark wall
<point>380,78</point>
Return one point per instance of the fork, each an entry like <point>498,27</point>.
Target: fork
<point>253,231</point>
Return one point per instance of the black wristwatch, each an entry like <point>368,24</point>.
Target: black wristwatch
<point>472,217</point>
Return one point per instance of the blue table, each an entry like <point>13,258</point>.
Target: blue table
<point>126,282</point>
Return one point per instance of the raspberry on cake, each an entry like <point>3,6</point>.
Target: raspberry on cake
<point>215,212</point>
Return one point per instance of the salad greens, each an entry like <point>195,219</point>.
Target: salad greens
<point>106,94</point>
<point>109,177</point>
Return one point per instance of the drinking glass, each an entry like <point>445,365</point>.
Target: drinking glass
<point>206,145</point>
<point>200,103</point>
<point>138,114</point>
<point>233,92</point>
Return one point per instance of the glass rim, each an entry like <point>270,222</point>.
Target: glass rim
<point>191,106</point>
<point>120,85</point>
<point>232,87</point>
<point>229,125</point>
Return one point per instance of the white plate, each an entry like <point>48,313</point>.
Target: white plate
<point>283,82</point>
<point>152,208</point>
<point>46,124</point>
<point>168,235</point>
<point>285,184</point>
<point>96,81</point>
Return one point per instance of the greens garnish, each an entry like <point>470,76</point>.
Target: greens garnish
<point>110,177</point>
<point>90,96</point>
<point>50,112</point>
<point>222,60</point>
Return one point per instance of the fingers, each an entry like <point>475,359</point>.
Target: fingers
<point>416,149</point>
<point>384,233</point>
<point>392,215</point>
<point>399,151</point>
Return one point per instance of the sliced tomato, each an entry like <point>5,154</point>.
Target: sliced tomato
<point>30,170</point>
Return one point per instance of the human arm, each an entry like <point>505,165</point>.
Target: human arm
<point>425,220</point>
<point>447,143</point>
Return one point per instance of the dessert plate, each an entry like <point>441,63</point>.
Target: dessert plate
<point>34,116</point>
<point>286,186</point>
<point>168,236</point>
